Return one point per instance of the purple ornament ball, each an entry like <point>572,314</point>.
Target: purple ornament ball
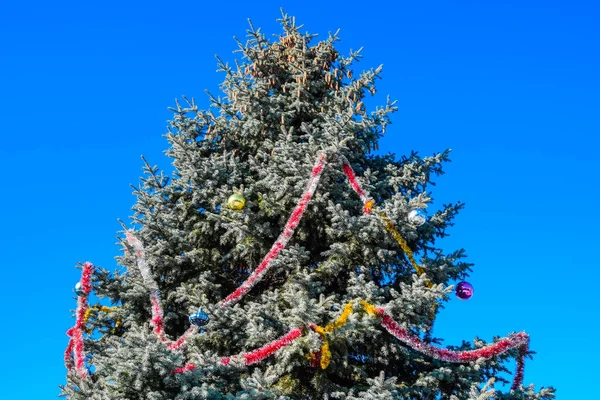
<point>464,290</point>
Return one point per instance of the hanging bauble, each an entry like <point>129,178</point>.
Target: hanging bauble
<point>417,217</point>
<point>464,290</point>
<point>79,289</point>
<point>236,202</point>
<point>199,318</point>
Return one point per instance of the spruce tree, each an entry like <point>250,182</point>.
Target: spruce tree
<point>298,242</point>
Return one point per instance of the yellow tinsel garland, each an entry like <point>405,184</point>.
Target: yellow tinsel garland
<point>338,323</point>
<point>98,308</point>
<point>325,353</point>
<point>389,226</point>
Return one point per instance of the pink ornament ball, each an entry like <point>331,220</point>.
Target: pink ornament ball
<point>464,290</point>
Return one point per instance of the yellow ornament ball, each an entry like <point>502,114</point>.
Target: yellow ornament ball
<point>236,202</point>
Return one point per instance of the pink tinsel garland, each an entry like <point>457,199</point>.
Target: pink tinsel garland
<point>69,350</point>
<point>516,341</point>
<point>177,344</point>
<point>75,333</point>
<point>364,196</point>
<point>157,310</point>
<point>254,356</point>
<point>283,239</point>
<point>142,264</point>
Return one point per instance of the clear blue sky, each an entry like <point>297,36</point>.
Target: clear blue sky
<point>513,89</point>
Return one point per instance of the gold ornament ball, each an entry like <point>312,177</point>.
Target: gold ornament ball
<point>236,202</point>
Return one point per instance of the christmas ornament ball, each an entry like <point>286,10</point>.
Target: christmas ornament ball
<point>79,289</point>
<point>199,318</point>
<point>464,290</point>
<point>417,217</point>
<point>236,202</point>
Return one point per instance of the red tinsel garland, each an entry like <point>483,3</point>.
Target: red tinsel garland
<point>265,351</point>
<point>75,333</point>
<point>142,264</point>
<point>69,350</point>
<point>157,310</point>
<point>254,356</point>
<point>364,196</point>
<point>157,316</point>
<point>515,341</point>
<point>283,239</point>
<point>182,339</point>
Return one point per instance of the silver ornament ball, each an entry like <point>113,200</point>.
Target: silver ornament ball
<point>417,217</point>
<point>79,289</point>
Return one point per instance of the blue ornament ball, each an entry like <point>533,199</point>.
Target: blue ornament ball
<point>417,217</point>
<point>199,318</point>
<point>79,289</point>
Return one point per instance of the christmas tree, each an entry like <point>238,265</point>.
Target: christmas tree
<point>279,261</point>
